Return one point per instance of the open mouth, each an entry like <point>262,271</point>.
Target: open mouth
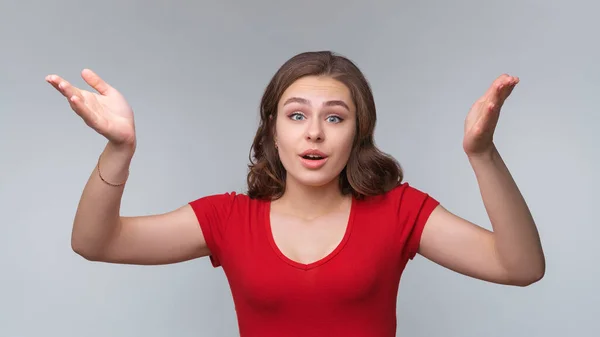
<point>313,157</point>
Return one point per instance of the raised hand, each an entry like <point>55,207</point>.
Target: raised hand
<point>482,119</point>
<point>106,111</point>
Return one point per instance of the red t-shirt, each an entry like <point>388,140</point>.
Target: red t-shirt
<point>350,292</point>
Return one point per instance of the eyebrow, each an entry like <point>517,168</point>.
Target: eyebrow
<point>307,102</point>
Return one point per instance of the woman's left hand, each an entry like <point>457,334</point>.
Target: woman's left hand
<point>482,119</point>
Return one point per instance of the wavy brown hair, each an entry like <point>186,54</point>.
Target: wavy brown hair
<point>368,171</point>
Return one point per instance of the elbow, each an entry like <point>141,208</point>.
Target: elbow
<point>91,245</point>
<point>527,281</point>
<point>82,249</point>
<point>533,275</point>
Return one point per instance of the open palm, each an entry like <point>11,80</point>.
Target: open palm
<point>482,119</point>
<point>106,111</point>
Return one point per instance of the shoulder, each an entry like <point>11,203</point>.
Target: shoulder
<point>224,205</point>
<point>218,213</point>
<point>410,209</point>
<point>405,204</point>
<point>220,198</point>
<point>403,196</point>
<point>227,200</point>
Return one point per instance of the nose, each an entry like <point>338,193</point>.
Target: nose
<point>314,131</point>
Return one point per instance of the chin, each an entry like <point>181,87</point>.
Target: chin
<point>314,178</point>
<point>325,175</point>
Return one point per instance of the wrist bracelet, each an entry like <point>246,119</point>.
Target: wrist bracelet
<point>102,178</point>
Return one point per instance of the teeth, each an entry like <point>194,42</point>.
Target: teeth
<point>313,156</point>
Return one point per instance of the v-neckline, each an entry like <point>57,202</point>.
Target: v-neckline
<point>319,262</point>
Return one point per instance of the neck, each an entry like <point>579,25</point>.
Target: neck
<point>310,202</point>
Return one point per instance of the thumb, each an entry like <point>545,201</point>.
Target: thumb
<point>95,81</point>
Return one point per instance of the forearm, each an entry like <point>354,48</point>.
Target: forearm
<point>515,234</point>
<point>98,213</point>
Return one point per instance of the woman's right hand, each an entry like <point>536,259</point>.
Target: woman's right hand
<point>107,111</point>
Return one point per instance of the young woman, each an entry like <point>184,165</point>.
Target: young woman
<point>318,244</point>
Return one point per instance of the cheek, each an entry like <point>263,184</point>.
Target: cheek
<point>287,144</point>
<point>287,141</point>
<point>344,143</point>
<point>281,134</point>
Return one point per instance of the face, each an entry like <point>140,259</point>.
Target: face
<point>315,129</point>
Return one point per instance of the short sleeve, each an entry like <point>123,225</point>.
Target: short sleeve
<point>213,214</point>
<point>414,209</point>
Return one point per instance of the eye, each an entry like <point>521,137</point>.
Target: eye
<point>334,119</point>
<point>296,116</point>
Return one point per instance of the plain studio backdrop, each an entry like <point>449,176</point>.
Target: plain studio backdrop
<point>194,73</point>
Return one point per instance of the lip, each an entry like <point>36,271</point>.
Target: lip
<point>313,164</point>
<point>313,152</point>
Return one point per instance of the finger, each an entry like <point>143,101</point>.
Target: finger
<point>496,86</point>
<point>488,120</point>
<point>95,81</point>
<point>500,89</point>
<point>69,91</point>
<point>507,91</point>
<point>54,80</point>
<point>508,88</point>
<point>63,86</point>
<point>89,117</point>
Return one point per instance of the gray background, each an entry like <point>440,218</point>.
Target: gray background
<point>194,73</point>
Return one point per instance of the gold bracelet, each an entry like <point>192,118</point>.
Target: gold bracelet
<point>106,182</point>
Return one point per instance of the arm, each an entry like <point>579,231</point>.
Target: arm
<point>512,252</point>
<point>101,234</point>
